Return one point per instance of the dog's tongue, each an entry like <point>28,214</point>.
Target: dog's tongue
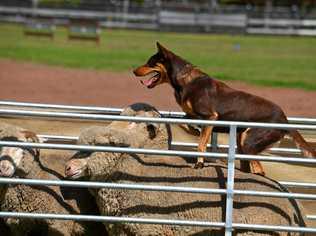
<point>147,82</point>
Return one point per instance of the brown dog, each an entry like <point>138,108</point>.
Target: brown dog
<point>203,97</point>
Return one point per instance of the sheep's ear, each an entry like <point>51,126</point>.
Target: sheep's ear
<point>32,137</point>
<point>152,130</point>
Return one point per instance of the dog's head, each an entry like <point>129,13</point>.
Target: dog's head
<point>157,69</point>
<point>163,67</point>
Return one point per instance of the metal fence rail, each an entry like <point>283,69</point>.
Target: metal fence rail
<point>187,154</point>
<point>47,114</point>
<point>60,138</point>
<point>230,191</point>
<point>109,110</point>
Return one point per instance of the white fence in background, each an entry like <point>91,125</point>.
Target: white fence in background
<point>168,19</point>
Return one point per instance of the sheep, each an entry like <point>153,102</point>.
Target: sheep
<point>27,163</point>
<point>172,171</point>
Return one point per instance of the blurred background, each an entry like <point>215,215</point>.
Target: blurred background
<point>85,50</point>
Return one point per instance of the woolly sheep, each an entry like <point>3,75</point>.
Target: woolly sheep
<point>174,171</point>
<point>26,163</point>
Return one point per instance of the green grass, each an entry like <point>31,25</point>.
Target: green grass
<point>271,61</point>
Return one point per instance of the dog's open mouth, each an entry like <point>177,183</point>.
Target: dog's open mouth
<point>151,79</point>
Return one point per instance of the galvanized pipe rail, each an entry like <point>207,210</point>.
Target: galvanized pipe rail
<point>113,219</point>
<point>62,138</point>
<point>6,112</point>
<point>105,110</point>
<point>109,110</point>
<point>298,184</point>
<point>230,191</point>
<point>194,145</point>
<point>91,184</point>
<point>228,225</point>
<point>187,154</point>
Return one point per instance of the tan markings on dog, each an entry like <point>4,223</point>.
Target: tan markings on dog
<point>204,139</point>
<point>163,72</point>
<point>187,107</point>
<point>189,129</point>
<point>191,75</point>
<point>256,167</point>
<point>243,136</point>
<point>143,70</point>
<point>308,154</point>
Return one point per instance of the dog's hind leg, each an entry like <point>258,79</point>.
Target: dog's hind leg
<point>252,166</point>
<point>254,141</point>
<point>244,165</point>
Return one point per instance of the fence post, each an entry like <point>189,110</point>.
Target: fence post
<point>230,180</point>
<point>214,141</point>
<point>158,9</point>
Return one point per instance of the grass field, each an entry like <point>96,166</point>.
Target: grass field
<point>272,61</point>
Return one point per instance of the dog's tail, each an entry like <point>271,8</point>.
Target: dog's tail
<point>300,142</point>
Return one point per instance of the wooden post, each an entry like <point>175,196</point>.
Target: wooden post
<point>34,7</point>
<point>268,8</point>
<point>158,9</point>
<point>213,4</point>
<point>125,11</point>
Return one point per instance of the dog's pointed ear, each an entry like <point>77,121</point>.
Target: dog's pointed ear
<point>162,50</point>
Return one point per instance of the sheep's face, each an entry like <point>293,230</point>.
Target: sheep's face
<point>16,160</point>
<point>10,158</point>
<point>142,110</point>
<point>76,167</point>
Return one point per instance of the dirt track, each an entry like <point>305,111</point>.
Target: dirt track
<point>47,84</point>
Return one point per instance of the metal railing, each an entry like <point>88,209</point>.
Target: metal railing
<point>174,144</point>
<point>110,110</point>
<point>230,191</point>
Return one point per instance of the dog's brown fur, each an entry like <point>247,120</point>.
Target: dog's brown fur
<point>203,97</point>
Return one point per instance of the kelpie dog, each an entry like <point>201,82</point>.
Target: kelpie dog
<point>203,97</point>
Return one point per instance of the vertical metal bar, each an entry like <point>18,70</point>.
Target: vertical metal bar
<point>230,181</point>
<point>214,141</point>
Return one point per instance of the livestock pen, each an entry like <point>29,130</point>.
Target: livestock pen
<point>13,109</point>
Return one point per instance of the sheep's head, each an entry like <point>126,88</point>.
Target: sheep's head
<point>76,167</point>
<point>94,166</point>
<point>142,134</point>
<point>14,160</point>
<point>118,133</point>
